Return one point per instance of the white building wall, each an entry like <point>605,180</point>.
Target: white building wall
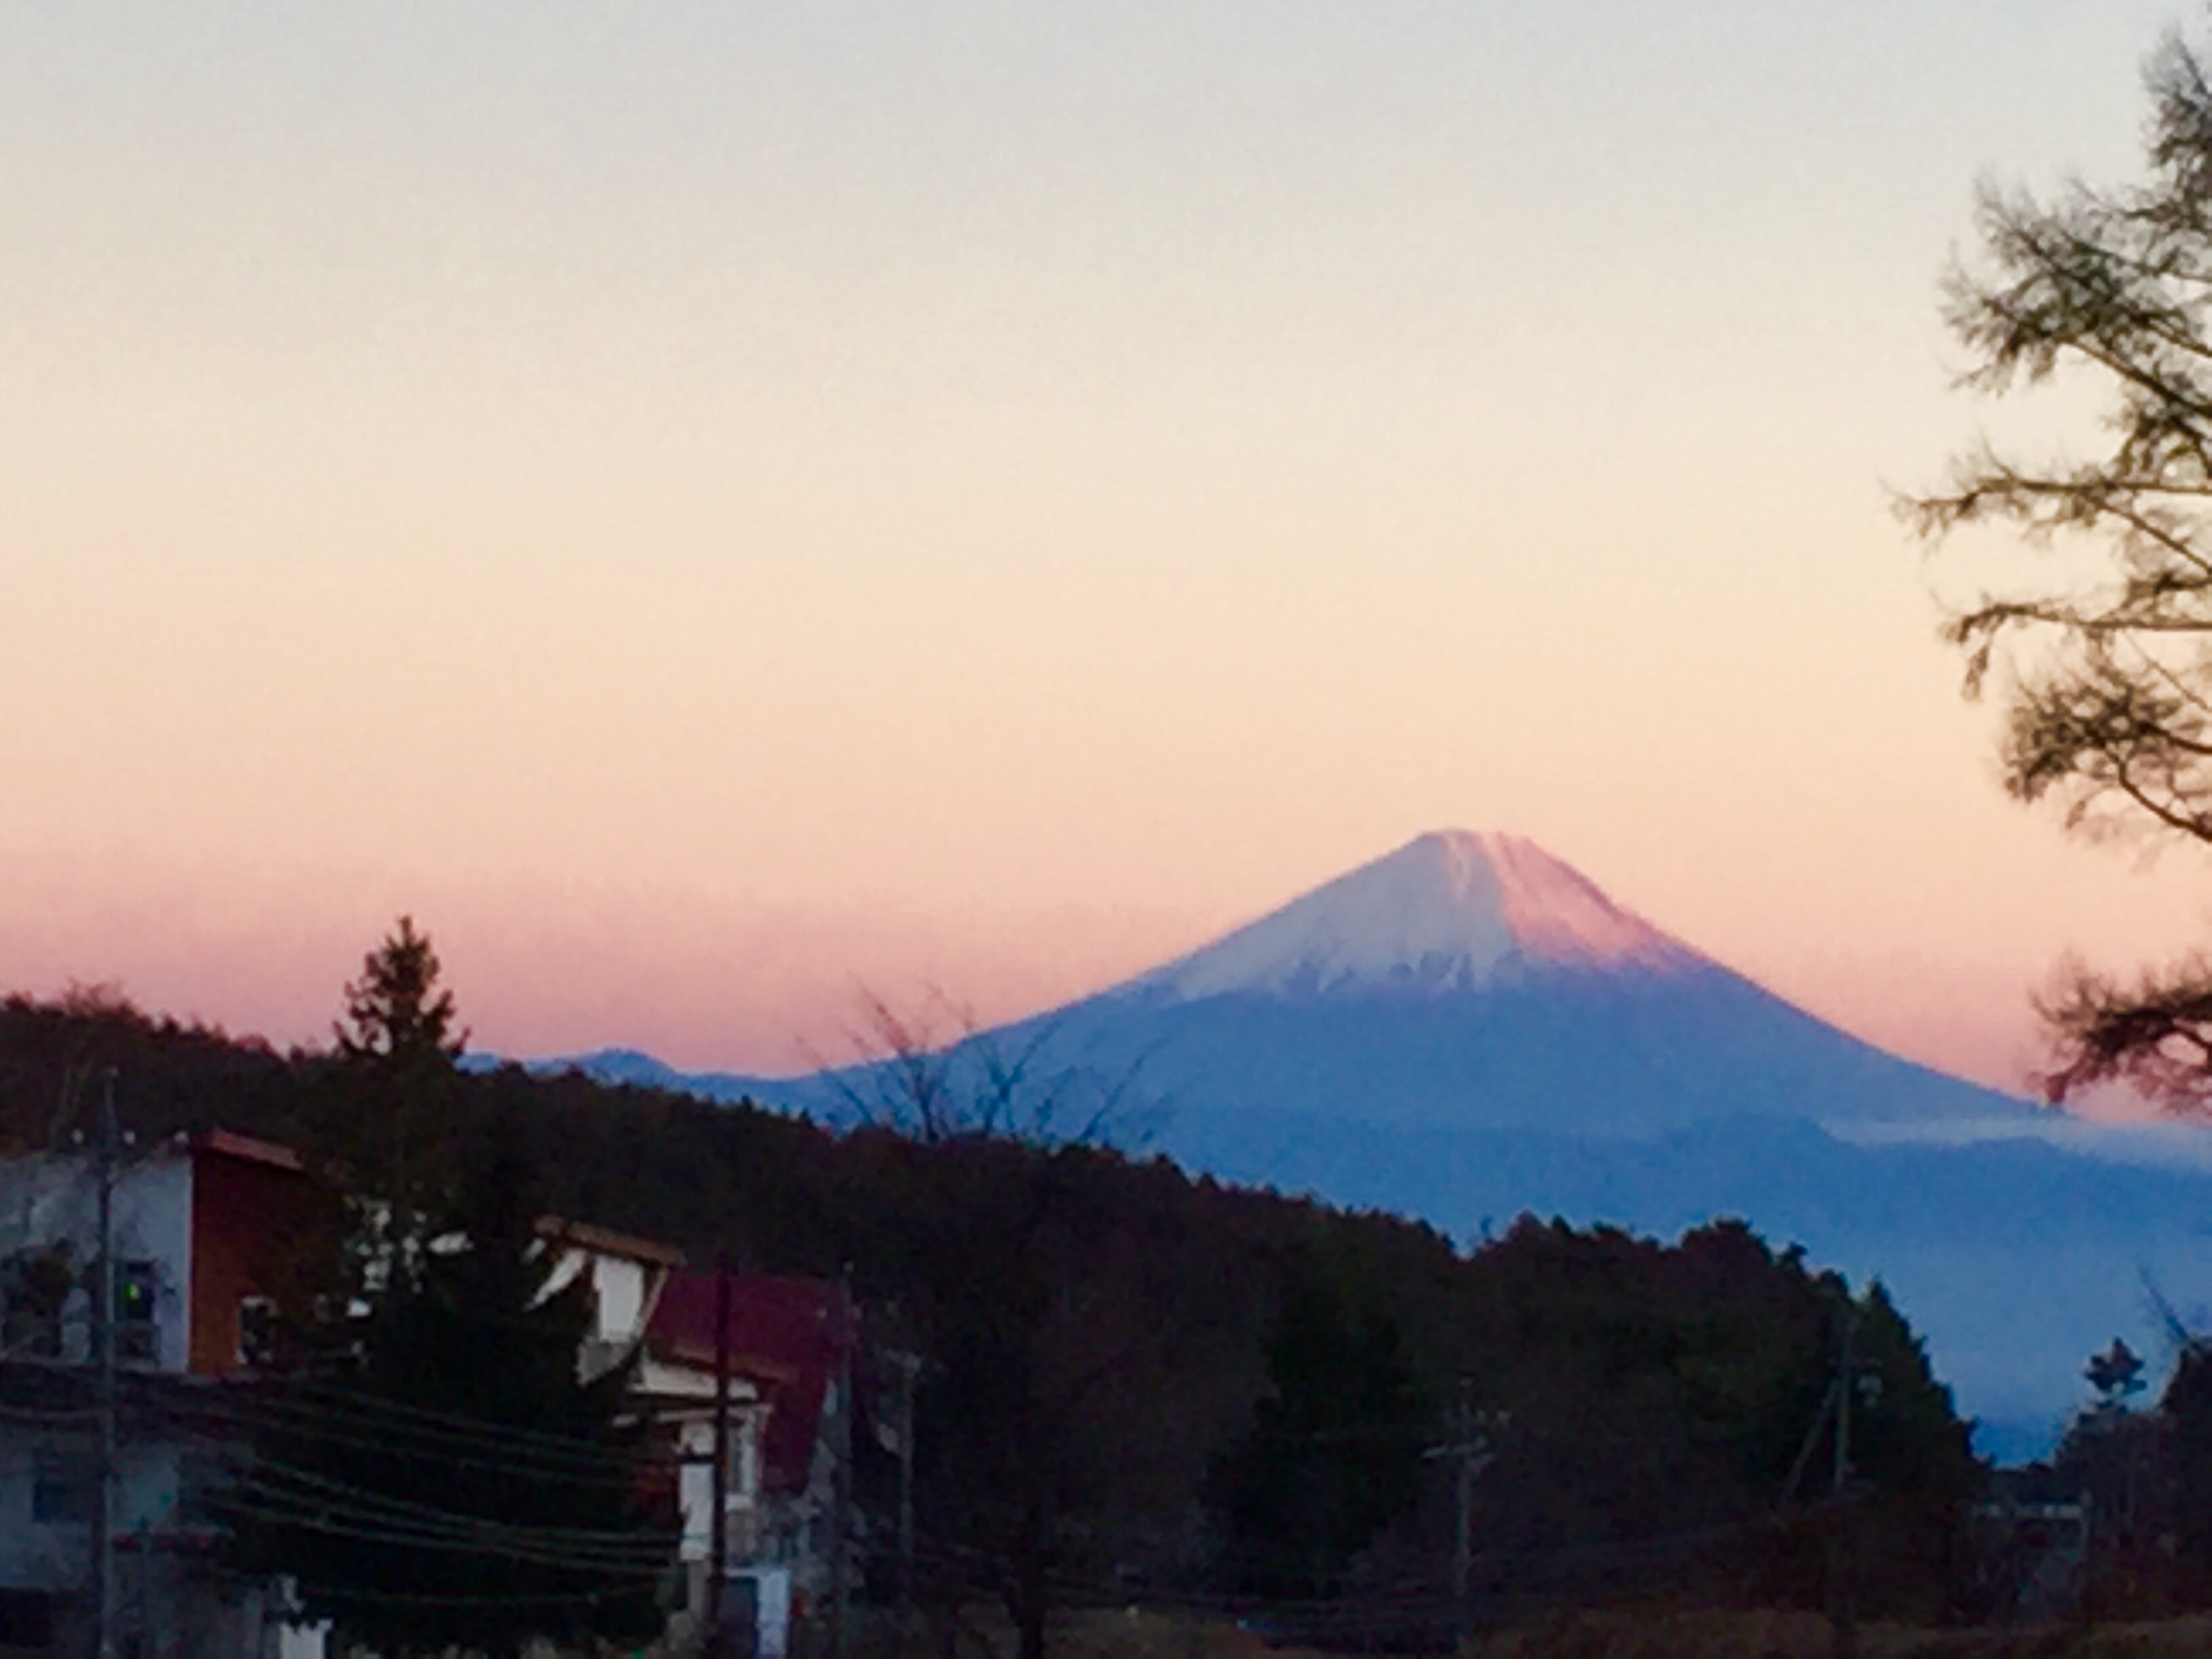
<point>50,1200</point>
<point>163,1610</point>
<point>32,1555</point>
<point>621,1287</point>
<point>302,1641</point>
<point>55,1199</point>
<point>153,1222</point>
<point>696,1492</point>
<point>39,1553</point>
<point>696,1485</point>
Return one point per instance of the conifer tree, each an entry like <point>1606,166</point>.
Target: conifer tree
<point>459,1484</point>
<point>391,1130</point>
<point>1335,1451</point>
<point>396,1015</point>
<point>2100,645</point>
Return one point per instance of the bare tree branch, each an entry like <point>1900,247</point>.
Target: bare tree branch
<point>2106,682</point>
<point>938,1076</point>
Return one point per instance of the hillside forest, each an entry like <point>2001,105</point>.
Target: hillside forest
<point>1138,1386</point>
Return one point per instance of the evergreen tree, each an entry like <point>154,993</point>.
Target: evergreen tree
<point>1335,1451</point>
<point>389,1126</point>
<point>2116,1374</point>
<point>458,1485</point>
<point>396,1014</point>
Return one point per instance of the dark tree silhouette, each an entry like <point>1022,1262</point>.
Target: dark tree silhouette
<point>1036,1311</point>
<point>2115,1373</point>
<point>390,1123</point>
<point>457,1484</point>
<point>935,1076</point>
<point>1335,1449</point>
<point>2101,649</point>
<point>1094,1331</point>
<point>2187,1407</point>
<point>396,1015</point>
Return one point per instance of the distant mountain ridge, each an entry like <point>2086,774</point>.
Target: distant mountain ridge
<point>1468,1028</point>
<point>1476,981</point>
<point>1467,980</point>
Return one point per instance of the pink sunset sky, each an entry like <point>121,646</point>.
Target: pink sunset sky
<point>712,508</point>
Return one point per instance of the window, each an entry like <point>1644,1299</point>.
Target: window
<point>135,1333</point>
<point>31,1331</point>
<point>35,1289</point>
<point>64,1489</point>
<point>744,1479</point>
<point>256,1330</point>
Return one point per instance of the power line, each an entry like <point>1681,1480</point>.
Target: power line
<point>476,1429</point>
<point>340,1519</point>
<point>274,1416</point>
<point>618,1539</point>
<point>409,1598</point>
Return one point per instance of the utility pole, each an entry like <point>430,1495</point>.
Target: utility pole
<point>145,1620</point>
<point>841,1593</point>
<point>1840,1620</point>
<point>103,1517</point>
<point>1463,1506</point>
<point>717,1520</point>
<point>909,1370</point>
<point>1470,1451</point>
<point>1844,1390</point>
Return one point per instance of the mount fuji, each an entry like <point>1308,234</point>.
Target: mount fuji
<point>1468,1029</point>
<point>1475,982</point>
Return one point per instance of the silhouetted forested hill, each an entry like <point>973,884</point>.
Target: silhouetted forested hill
<point>1133,1377</point>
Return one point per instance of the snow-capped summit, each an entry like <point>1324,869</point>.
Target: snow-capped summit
<point>1452,910</point>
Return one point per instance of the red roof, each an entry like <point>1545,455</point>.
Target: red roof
<point>559,1229</point>
<point>223,1143</point>
<point>785,1334</point>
